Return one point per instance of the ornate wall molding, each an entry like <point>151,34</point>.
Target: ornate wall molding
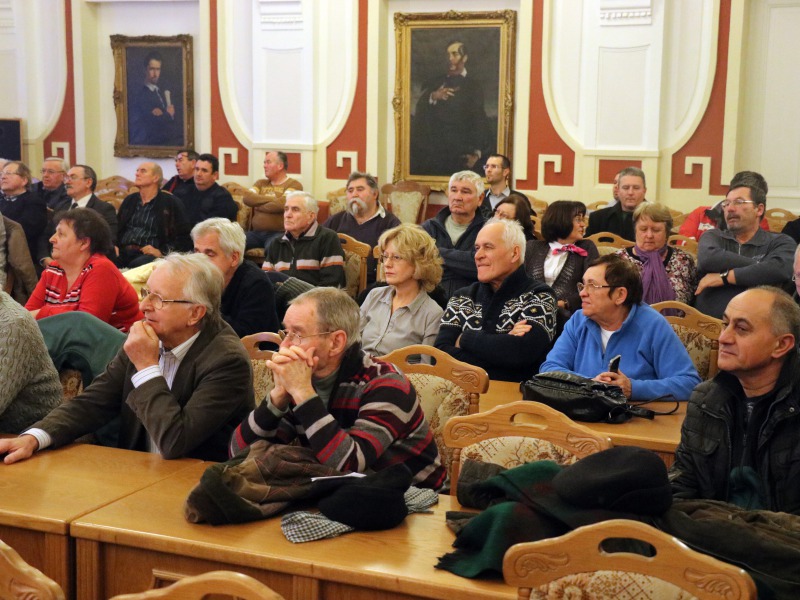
<point>626,12</point>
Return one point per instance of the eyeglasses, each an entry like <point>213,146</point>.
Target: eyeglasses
<point>737,203</point>
<point>50,172</point>
<point>295,338</point>
<point>157,301</point>
<point>4,173</point>
<point>75,177</point>
<point>796,276</point>
<point>385,258</point>
<point>591,284</point>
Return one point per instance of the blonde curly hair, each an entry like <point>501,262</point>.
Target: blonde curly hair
<point>413,244</point>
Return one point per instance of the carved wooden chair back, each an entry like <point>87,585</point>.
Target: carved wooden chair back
<point>218,583</point>
<point>18,579</point>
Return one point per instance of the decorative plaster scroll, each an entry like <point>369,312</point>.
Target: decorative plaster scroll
<point>61,149</point>
<point>703,161</point>
<point>233,153</point>
<point>555,159</point>
<point>626,12</point>
<point>280,15</point>
<point>342,155</point>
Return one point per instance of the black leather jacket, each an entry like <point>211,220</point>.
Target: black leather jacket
<point>703,459</point>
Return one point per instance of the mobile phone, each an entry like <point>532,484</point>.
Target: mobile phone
<point>613,364</point>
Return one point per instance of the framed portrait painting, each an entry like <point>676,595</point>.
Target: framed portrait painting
<point>153,95</point>
<point>454,92</point>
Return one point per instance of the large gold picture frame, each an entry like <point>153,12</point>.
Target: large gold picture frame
<point>454,92</point>
<point>153,95</point>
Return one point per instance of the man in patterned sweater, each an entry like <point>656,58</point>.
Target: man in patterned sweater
<point>505,323</point>
<point>355,412</point>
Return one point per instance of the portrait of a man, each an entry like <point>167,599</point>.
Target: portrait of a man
<point>152,115</point>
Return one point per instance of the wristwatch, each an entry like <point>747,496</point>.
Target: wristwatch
<point>724,276</point>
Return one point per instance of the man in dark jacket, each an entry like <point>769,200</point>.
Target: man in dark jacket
<point>20,204</point>
<point>207,198</point>
<point>740,441</point>
<point>455,228</point>
<point>505,322</point>
<point>618,218</point>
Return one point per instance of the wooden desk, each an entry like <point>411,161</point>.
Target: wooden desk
<point>146,532</point>
<point>661,435</point>
<point>39,498</point>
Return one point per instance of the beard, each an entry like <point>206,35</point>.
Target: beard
<point>357,207</point>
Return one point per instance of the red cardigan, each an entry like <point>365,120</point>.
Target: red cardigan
<point>100,290</point>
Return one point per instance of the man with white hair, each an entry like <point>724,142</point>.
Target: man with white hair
<point>248,298</point>
<point>356,413</point>
<point>51,187</point>
<point>505,322</point>
<point>365,218</point>
<point>307,251</point>
<point>455,228</point>
<point>180,385</point>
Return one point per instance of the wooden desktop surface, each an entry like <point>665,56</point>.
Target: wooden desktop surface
<point>147,533</point>
<point>39,498</point>
<point>661,434</point>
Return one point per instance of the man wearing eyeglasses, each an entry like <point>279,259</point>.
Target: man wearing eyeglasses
<point>357,413</point>
<point>52,187</point>
<point>22,205</point>
<point>743,256</point>
<point>180,385</point>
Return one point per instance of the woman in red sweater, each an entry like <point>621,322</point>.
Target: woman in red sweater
<point>81,277</point>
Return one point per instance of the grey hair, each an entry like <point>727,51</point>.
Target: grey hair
<point>470,176</point>
<point>204,280</point>
<point>309,200</point>
<point>796,252</point>
<point>633,172</point>
<point>231,235</point>
<point>64,164</point>
<point>336,311</point>
<point>512,234</point>
<point>785,314</point>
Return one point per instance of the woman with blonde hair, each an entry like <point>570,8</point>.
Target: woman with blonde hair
<point>401,313</point>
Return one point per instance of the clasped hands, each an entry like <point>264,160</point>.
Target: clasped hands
<point>292,368</point>
<point>616,379</point>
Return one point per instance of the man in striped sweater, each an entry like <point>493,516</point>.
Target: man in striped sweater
<point>355,412</point>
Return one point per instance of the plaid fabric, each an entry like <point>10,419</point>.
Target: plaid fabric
<point>419,500</point>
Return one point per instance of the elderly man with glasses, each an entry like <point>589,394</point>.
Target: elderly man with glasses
<point>51,187</point>
<point>744,255</point>
<point>355,412</point>
<point>180,384</point>
<point>615,322</point>
<point>20,204</point>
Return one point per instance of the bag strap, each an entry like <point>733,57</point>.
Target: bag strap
<point>637,410</point>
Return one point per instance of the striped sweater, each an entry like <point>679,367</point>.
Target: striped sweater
<point>373,420</point>
<point>315,257</point>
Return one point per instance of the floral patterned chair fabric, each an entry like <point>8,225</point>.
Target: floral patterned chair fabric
<point>244,212</point>
<point>337,201</point>
<point>578,565</point>
<point>514,450</point>
<point>263,381</point>
<point>355,264</point>
<point>408,200</point>
<point>698,332</point>
<point>71,384</point>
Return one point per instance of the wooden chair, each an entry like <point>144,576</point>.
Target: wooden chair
<point>337,201</point>
<point>408,200</point>
<point>379,273</point>
<point>446,389</point>
<point>677,221</point>
<point>497,436</point>
<point>777,218</point>
<point>539,206</point>
<point>355,263</point>
<point>698,332</point>
<point>597,205</point>
<point>244,212</point>
<point>114,189</point>
<point>263,381</point>
<point>578,560</point>
<point>684,243</point>
<point>608,243</point>
<point>218,583</point>
<point>20,580</point>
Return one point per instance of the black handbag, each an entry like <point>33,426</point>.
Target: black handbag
<point>581,398</point>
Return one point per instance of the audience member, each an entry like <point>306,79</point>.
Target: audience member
<point>267,197</point>
<point>81,277</point>
<point>498,172</point>
<point>741,429</point>
<point>20,204</point>
<point>617,218</point>
<point>182,183</point>
<point>248,298</point>
<point>744,255</point>
<point>29,384</point>
<point>506,321</point>
<point>365,219</point>
<point>796,275</point>
<point>614,321</point>
<point>355,412</point>
<point>668,273</point>
<point>402,313</point>
<point>180,385</point>
<point>562,258</point>
<point>51,188</point>
<point>455,228</point>
<point>152,222</point>
<point>517,207</point>
<point>208,198</point>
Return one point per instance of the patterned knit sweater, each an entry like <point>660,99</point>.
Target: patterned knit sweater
<point>373,420</point>
<point>29,384</point>
<point>482,319</point>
